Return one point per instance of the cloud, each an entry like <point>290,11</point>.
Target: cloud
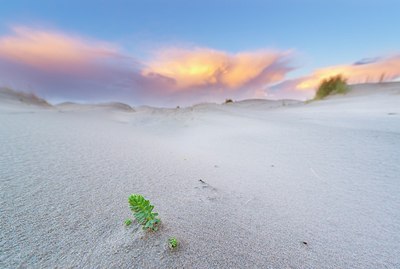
<point>288,89</point>
<point>65,67</point>
<point>203,67</point>
<point>52,51</point>
<point>378,69</point>
<point>367,61</point>
<point>364,71</point>
<point>204,74</point>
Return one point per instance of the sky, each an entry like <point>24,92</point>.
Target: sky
<point>169,53</point>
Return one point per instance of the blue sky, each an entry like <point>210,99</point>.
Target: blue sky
<point>318,33</point>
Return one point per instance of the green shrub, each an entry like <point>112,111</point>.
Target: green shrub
<point>142,210</point>
<point>173,243</point>
<point>333,85</point>
<point>128,222</point>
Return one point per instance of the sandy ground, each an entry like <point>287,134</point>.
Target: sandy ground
<point>296,186</point>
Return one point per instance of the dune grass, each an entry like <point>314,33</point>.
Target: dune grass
<point>333,85</point>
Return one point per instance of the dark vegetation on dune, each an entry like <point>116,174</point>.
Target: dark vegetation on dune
<point>331,86</point>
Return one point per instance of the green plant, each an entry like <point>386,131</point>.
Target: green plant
<point>333,85</point>
<point>128,222</point>
<point>173,243</point>
<point>142,210</point>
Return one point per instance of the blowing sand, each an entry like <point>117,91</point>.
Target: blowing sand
<point>283,184</point>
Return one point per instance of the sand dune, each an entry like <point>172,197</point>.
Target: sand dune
<point>10,98</point>
<point>70,106</point>
<point>385,88</point>
<point>284,184</point>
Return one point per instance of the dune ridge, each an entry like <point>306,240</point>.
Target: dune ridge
<point>8,95</point>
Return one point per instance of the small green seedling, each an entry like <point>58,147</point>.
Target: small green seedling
<point>142,210</point>
<point>173,243</point>
<point>128,222</point>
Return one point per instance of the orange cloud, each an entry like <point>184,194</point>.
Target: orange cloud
<point>203,67</point>
<point>51,50</point>
<point>371,71</point>
<point>65,66</point>
<point>70,67</point>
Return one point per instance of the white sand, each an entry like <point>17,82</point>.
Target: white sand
<point>326,173</point>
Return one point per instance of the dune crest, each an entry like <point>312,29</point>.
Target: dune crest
<point>11,96</point>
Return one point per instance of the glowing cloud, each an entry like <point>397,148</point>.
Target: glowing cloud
<point>364,71</point>
<point>51,50</point>
<point>64,67</point>
<point>375,70</point>
<point>60,66</point>
<point>203,67</point>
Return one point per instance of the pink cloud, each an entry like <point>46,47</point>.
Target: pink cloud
<point>370,71</point>
<point>53,51</point>
<point>60,66</point>
<point>65,67</point>
<point>380,69</point>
